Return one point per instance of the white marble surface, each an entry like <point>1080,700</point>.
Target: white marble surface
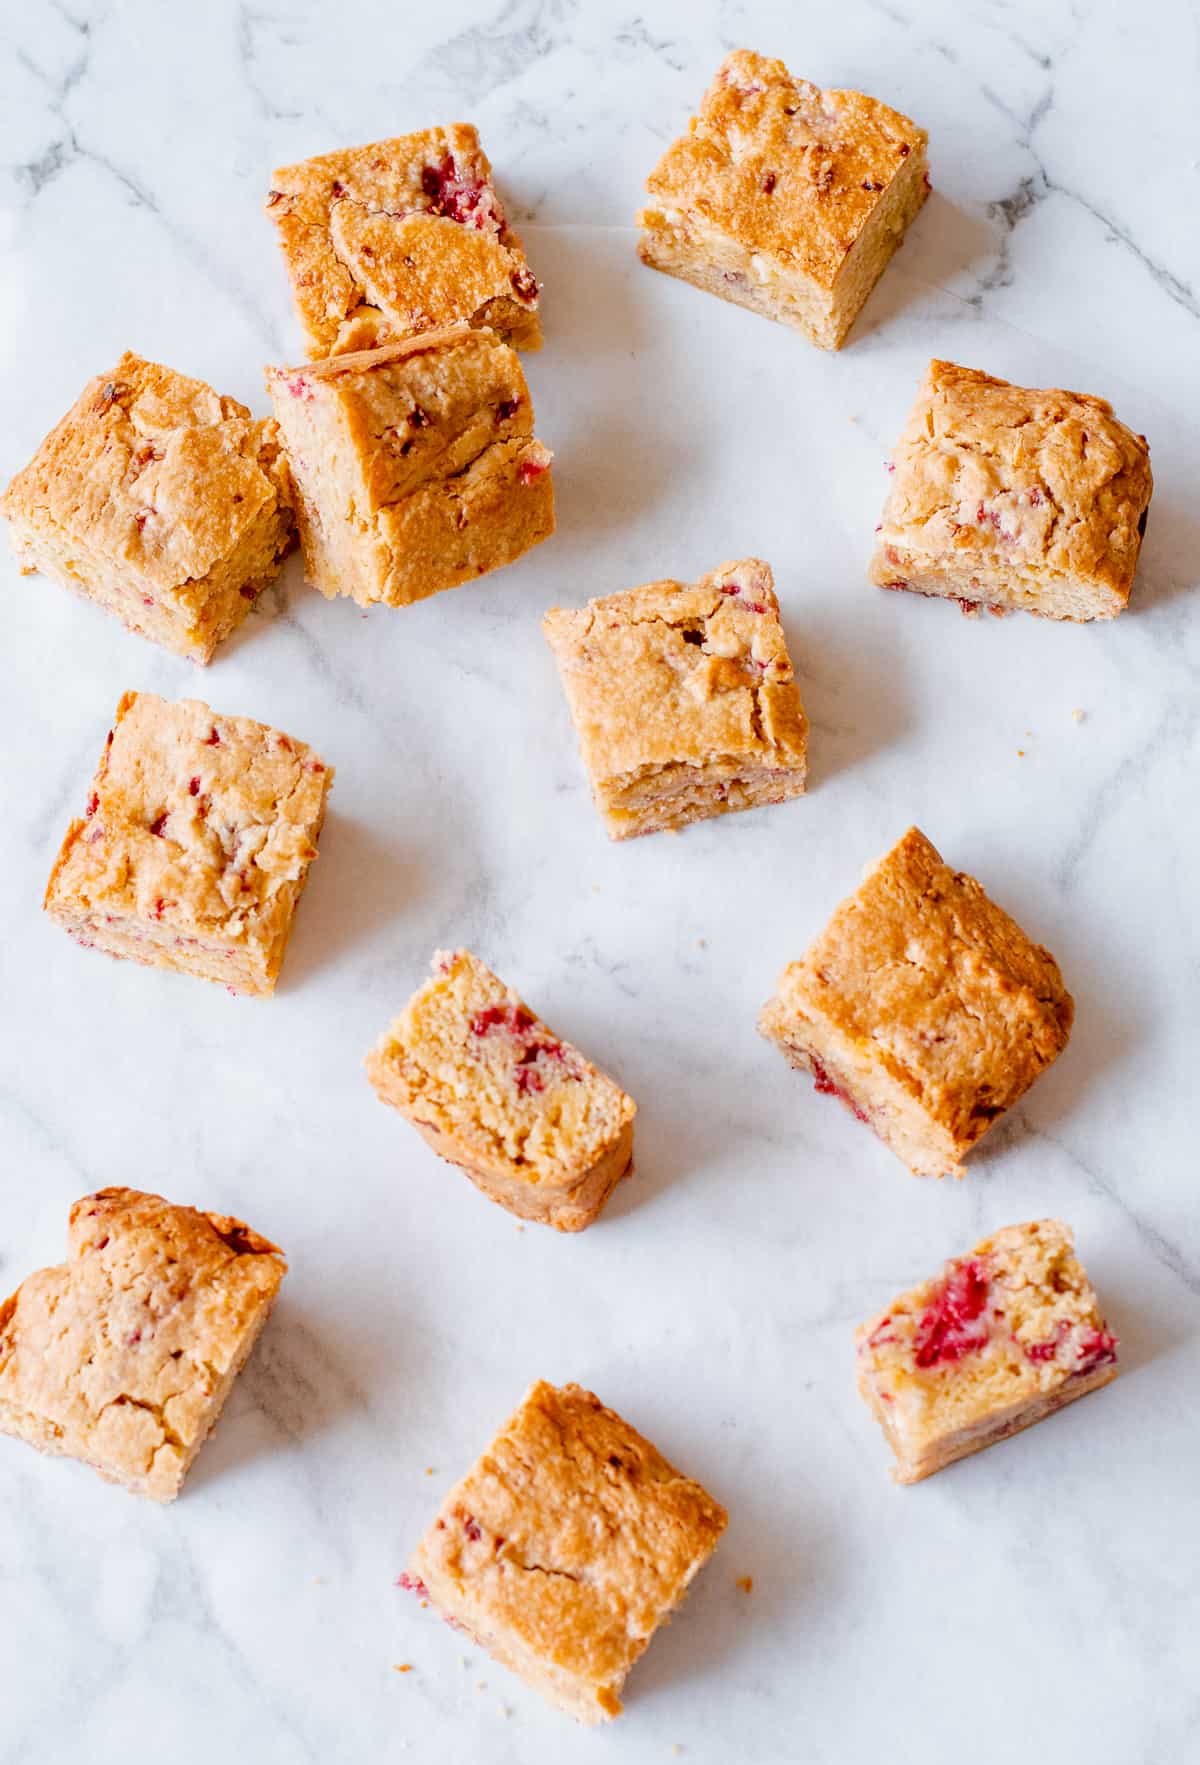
<point>1040,1601</point>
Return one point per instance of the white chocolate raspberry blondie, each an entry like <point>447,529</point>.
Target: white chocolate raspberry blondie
<point>161,501</point>
<point>195,846</point>
<point>398,237</point>
<point>683,698</point>
<point>123,1356</point>
<point>1009,497</point>
<point>1000,1339</point>
<point>923,1007</point>
<point>492,1090</point>
<point>784,198</point>
<point>566,1547</point>
<point>415,465</point>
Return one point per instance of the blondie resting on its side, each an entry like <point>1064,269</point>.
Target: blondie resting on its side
<point>683,698</point>
<point>1008,497</point>
<point>923,1007</point>
<point>784,198</point>
<point>123,1356</point>
<point>1000,1339</point>
<point>415,465</point>
<point>398,237</point>
<point>494,1091</point>
<point>566,1547</point>
<point>161,501</point>
<point>195,845</point>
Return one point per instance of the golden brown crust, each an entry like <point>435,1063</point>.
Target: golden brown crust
<point>683,697</point>
<point>160,499</point>
<point>401,236</point>
<point>566,1546</point>
<point>921,992</point>
<point>196,844</point>
<point>1015,496</point>
<point>415,465</point>
<point>999,1339</point>
<point>123,1355</point>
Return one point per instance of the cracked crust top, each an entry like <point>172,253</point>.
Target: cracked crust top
<point>1004,477</point>
<point>400,236</point>
<point>204,820</point>
<point>571,1539</point>
<point>789,170</point>
<point>918,964</point>
<point>120,1355</point>
<point>676,672</point>
<point>153,470</point>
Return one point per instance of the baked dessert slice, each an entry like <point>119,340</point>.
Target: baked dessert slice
<point>401,236</point>
<point>785,198</point>
<point>195,845</point>
<point>494,1091</point>
<point>415,465</point>
<point>1009,497</point>
<point>565,1548</point>
<point>683,698</point>
<point>123,1356</point>
<point>161,501</point>
<point>1000,1339</point>
<point>923,1007</point>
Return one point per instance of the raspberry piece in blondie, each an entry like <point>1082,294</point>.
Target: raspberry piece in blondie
<point>415,465</point>
<point>683,698</point>
<point>161,501</point>
<point>398,237</point>
<point>1014,498</point>
<point>565,1547</point>
<point>123,1356</point>
<point>784,198</point>
<point>533,1124</point>
<point>923,1007</point>
<point>998,1340</point>
<point>195,846</point>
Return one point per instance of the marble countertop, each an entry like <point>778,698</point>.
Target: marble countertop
<point>1042,1600</point>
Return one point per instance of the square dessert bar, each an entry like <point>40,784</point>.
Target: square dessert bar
<point>565,1547</point>
<point>1008,497</point>
<point>123,1356</point>
<point>683,698</point>
<point>160,500</point>
<point>195,845</point>
<point>398,237</point>
<point>1000,1339</point>
<point>415,465</point>
<point>491,1089</point>
<point>923,1007</point>
<point>784,198</point>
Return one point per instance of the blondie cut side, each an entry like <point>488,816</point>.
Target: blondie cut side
<point>494,1091</point>
<point>161,501</point>
<point>1014,499</point>
<point>123,1356</point>
<point>566,1547</point>
<point>1000,1339</point>
<point>784,198</point>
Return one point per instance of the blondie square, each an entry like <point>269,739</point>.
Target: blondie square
<point>415,465</point>
<point>1000,1339</point>
<point>565,1547</point>
<point>683,698</point>
<point>784,198</point>
<point>195,845</point>
<point>491,1089</point>
<point>923,1007</point>
<point>123,1356</point>
<point>398,237</point>
<point>163,502</point>
<point>1009,497</point>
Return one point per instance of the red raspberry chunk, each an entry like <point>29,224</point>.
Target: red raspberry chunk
<point>955,1324</point>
